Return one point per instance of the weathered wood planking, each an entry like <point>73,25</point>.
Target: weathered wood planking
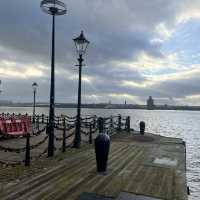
<point>149,165</point>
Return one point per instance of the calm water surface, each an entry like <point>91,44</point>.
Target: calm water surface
<point>180,124</point>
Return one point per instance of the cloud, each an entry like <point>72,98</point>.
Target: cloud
<point>128,57</point>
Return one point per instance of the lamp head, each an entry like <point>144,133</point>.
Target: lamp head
<point>81,44</point>
<point>34,86</point>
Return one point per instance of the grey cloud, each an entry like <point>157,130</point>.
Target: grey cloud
<point>179,88</point>
<point>118,31</point>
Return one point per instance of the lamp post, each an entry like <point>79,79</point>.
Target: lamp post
<point>34,86</point>
<point>81,45</point>
<point>54,8</point>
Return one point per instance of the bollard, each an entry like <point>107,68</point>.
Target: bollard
<point>102,146</point>
<point>142,127</point>
<point>27,156</point>
<point>90,134</point>
<point>64,136</point>
<point>100,124</point>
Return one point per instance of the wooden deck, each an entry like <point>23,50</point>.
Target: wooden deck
<point>151,166</point>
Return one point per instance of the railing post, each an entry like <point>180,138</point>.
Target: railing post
<point>86,121</point>
<point>94,122</point>
<point>27,156</point>
<point>90,134</point>
<point>58,121</point>
<point>38,122</point>
<point>64,135</point>
<point>100,124</point>
<point>111,121</point>
<point>128,124</point>
<point>42,118</point>
<point>119,122</point>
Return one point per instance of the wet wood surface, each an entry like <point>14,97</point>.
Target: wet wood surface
<point>149,165</point>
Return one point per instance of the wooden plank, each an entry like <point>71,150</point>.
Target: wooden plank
<point>131,168</point>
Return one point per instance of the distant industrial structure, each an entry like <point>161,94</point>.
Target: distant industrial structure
<point>150,103</point>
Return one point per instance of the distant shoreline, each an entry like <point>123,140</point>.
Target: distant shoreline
<point>107,106</point>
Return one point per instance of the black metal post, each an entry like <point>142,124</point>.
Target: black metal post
<point>90,134</point>
<point>38,123</point>
<point>42,118</point>
<point>142,127</point>
<point>101,124</point>
<point>34,91</point>
<point>119,122</point>
<point>52,95</point>
<point>128,124</point>
<point>94,122</point>
<point>111,121</point>
<point>64,136</point>
<point>27,156</point>
<point>77,140</point>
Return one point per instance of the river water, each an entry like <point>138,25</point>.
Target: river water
<point>180,124</point>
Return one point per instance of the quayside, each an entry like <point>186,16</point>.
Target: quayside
<point>145,167</point>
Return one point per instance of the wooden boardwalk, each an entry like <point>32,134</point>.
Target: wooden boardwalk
<point>150,165</point>
<point>17,143</point>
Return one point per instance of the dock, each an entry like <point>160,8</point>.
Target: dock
<point>140,167</point>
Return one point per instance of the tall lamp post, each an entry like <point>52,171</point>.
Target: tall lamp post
<point>54,8</point>
<point>34,86</point>
<point>81,45</point>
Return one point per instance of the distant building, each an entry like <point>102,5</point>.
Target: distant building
<point>150,103</point>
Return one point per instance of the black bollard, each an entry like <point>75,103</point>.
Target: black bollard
<point>102,146</point>
<point>142,127</point>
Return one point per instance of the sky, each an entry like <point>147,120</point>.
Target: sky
<point>138,48</point>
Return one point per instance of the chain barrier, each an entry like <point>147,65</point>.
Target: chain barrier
<point>39,132</point>
<point>65,123</point>
<point>22,149</point>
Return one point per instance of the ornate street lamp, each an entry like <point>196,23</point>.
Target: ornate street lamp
<point>34,86</point>
<point>81,45</point>
<point>54,8</point>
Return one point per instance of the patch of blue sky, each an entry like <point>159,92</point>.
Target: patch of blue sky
<point>185,43</point>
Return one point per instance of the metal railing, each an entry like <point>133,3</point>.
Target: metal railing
<point>65,126</point>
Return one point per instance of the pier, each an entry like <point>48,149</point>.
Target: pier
<point>140,167</point>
